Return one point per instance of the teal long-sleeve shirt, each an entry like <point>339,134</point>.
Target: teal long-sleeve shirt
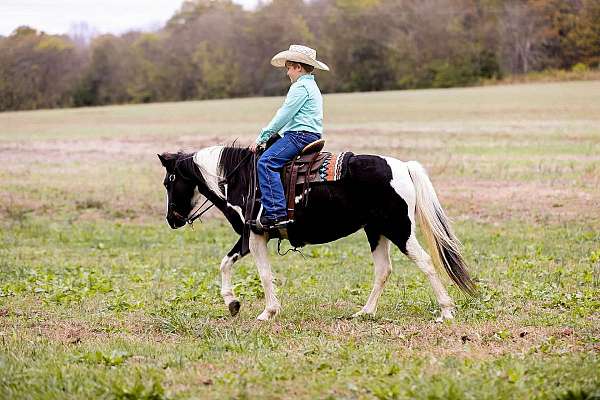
<point>302,110</point>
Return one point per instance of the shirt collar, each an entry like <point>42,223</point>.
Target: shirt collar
<point>306,76</point>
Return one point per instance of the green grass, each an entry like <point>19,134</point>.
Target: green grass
<point>104,309</point>
<point>100,299</point>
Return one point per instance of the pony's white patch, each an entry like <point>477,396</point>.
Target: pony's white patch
<point>383,268</point>
<point>301,195</point>
<point>258,248</point>
<point>207,161</point>
<point>226,286</point>
<point>403,184</point>
<point>238,209</point>
<point>260,211</point>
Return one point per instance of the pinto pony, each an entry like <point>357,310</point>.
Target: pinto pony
<point>382,195</point>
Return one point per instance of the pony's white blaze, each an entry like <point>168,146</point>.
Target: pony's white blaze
<point>167,207</point>
<point>207,161</point>
<point>403,185</point>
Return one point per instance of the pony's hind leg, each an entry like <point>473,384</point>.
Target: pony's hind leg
<point>380,249</point>
<point>416,253</point>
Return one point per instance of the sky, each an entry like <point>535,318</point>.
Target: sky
<point>106,16</point>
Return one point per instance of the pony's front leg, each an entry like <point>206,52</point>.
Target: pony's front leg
<point>226,288</point>
<point>258,248</point>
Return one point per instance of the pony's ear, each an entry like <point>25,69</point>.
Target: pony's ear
<point>167,160</point>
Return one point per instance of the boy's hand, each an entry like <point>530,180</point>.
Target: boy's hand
<point>253,147</point>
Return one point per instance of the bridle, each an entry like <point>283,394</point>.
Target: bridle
<point>196,214</point>
<point>199,211</point>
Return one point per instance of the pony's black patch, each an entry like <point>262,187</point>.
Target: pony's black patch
<point>362,199</point>
<point>334,209</point>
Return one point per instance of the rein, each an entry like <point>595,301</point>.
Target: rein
<point>197,214</point>
<point>239,164</point>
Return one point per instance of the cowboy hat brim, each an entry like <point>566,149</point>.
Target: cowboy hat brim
<point>280,58</point>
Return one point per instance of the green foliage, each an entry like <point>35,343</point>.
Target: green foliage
<point>580,68</point>
<point>72,284</point>
<point>441,74</point>
<point>141,389</point>
<point>219,71</point>
<point>216,49</point>
<point>115,358</point>
<point>37,70</point>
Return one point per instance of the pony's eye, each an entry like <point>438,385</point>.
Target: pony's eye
<point>172,178</point>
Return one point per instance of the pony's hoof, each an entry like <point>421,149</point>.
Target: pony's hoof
<point>267,315</point>
<point>234,308</point>
<point>447,315</point>
<point>364,314</point>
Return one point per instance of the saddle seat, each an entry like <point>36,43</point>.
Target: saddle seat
<point>313,147</point>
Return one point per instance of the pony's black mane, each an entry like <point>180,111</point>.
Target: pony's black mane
<point>235,164</point>
<point>231,157</point>
<point>187,168</point>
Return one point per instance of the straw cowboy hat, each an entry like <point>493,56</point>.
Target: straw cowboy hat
<point>298,53</point>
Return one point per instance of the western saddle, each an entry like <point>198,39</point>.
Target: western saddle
<point>301,170</point>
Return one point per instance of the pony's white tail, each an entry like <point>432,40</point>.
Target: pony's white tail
<point>436,228</point>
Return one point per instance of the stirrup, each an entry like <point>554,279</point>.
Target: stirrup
<point>280,228</point>
<point>276,225</point>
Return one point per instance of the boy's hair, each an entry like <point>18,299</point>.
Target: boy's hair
<point>306,67</point>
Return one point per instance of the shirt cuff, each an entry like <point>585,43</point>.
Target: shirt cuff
<point>263,137</point>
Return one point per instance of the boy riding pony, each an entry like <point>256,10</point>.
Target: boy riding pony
<point>299,122</point>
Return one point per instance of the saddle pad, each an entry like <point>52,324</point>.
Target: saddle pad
<point>334,166</point>
<point>327,167</point>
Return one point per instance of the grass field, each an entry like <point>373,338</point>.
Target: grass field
<point>100,299</point>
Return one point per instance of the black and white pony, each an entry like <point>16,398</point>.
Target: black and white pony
<point>381,195</point>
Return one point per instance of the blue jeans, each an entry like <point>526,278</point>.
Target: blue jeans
<point>270,164</point>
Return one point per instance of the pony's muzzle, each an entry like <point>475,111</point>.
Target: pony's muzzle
<point>175,219</point>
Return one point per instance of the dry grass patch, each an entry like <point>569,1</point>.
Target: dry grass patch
<point>488,200</point>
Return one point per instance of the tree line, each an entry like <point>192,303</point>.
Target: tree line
<point>216,49</point>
